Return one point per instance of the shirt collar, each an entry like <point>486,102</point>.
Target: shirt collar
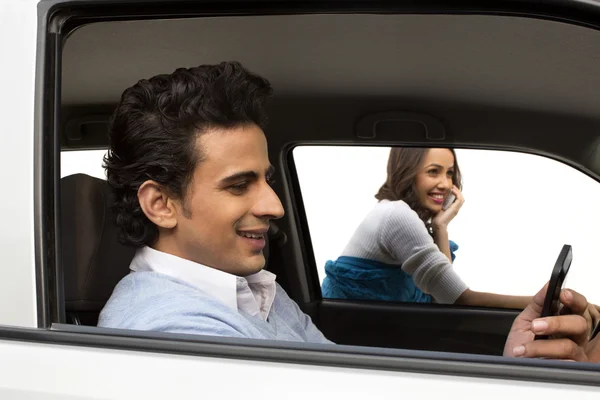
<point>253,294</point>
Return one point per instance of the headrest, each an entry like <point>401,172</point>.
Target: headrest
<point>93,259</point>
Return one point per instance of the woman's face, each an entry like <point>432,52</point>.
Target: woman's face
<point>433,182</point>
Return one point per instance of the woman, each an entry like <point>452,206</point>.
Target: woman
<point>401,250</point>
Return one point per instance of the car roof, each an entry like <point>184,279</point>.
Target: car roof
<point>507,61</point>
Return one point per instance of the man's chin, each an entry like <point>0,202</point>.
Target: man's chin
<point>253,265</point>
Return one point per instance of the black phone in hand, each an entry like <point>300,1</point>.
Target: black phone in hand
<point>558,278</point>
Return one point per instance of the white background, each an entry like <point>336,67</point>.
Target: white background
<point>519,211</point>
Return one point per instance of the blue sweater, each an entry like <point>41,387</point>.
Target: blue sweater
<point>151,301</point>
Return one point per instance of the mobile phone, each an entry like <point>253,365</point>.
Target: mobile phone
<point>449,200</point>
<point>595,331</point>
<point>558,278</point>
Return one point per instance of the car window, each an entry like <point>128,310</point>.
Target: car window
<point>87,162</point>
<point>519,210</point>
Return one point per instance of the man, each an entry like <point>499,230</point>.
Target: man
<point>189,165</point>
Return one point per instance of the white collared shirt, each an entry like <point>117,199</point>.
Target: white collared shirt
<point>253,294</point>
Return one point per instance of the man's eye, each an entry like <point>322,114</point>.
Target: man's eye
<point>239,188</point>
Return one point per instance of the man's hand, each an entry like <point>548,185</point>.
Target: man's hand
<point>592,315</point>
<point>569,334</point>
<point>592,350</point>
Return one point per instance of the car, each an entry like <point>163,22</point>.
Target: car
<point>496,76</point>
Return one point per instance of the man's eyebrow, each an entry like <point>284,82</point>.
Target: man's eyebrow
<point>246,175</point>
<point>238,176</point>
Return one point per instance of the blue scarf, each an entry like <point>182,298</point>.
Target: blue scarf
<point>363,279</point>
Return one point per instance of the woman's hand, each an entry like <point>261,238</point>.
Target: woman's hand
<point>443,218</point>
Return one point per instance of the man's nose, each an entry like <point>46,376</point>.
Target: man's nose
<point>268,204</point>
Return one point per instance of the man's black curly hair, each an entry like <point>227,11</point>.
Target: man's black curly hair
<point>153,133</point>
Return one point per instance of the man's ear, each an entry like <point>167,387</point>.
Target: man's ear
<point>157,205</point>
